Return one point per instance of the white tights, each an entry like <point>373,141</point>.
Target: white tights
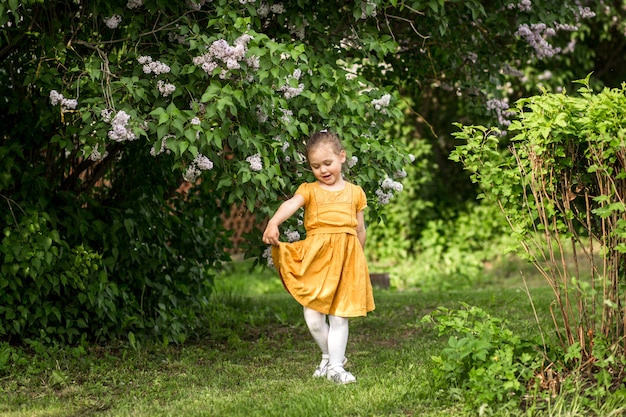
<point>331,336</point>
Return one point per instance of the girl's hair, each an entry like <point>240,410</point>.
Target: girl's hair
<point>324,136</point>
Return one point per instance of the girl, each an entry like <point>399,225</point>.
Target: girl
<point>327,272</point>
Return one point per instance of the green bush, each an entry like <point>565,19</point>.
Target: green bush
<point>49,288</point>
<point>139,261</point>
<point>485,362</point>
<point>561,186</point>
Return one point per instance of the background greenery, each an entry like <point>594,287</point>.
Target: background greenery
<point>108,248</point>
<point>255,357</point>
<point>98,240</point>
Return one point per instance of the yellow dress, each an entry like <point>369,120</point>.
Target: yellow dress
<point>327,271</point>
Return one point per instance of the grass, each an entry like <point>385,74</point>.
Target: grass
<point>255,358</point>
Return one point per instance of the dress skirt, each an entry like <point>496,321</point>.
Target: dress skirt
<point>326,272</point>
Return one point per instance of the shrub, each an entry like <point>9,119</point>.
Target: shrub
<point>484,362</point>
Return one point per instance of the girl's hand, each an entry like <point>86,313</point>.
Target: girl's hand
<point>271,235</point>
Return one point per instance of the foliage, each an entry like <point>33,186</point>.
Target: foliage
<point>145,272</point>
<point>467,61</point>
<point>39,270</point>
<point>221,94</point>
<point>389,241</point>
<point>484,360</point>
<point>561,185</point>
<point>473,74</point>
<point>128,128</point>
<point>455,251</point>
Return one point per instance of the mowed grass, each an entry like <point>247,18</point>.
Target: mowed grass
<point>255,357</point>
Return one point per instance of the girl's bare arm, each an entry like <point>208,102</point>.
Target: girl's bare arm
<point>360,227</point>
<point>271,236</point>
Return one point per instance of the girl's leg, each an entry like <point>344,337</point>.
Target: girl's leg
<point>337,341</point>
<point>316,322</point>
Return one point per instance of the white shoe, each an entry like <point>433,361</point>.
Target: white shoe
<point>322,369</point>
<point>338,375</point>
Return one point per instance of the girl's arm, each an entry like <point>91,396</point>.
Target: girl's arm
<point>360,227</point>
<point>286,210</point>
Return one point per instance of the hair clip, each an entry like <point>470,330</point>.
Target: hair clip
<point>323,130</point>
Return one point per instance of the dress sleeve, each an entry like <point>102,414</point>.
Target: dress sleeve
<point>305,191</point>
<point>361,199</point>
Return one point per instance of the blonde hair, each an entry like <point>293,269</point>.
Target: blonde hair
<point>323,136</point>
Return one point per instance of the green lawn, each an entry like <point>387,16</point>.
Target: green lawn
<point>255,358</point>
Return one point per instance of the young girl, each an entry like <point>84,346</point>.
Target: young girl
<point>327,272</point>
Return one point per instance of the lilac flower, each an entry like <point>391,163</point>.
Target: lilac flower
<point>113,22</point>
<point>291,92</point>
<point>243,40</point>
<point>209,66</point>
<point>253,62</point>
<point>536,35</point>
<point>364,9</point>
<point>286,117</point>
<point>261,116</point>
<point>585,12</point>
<point>153,150</point>
<point>381,102</point>
<point>119,128</point>
<point>383,197</point>
<point>153,67</point>
<point>69,104</point>
<point>352,161</point>
<point>298,30</point>
<point>389,184</point>
<point>277,8</point>
<point>501,108</point>
<point>231,56</point>
<point>267,254</point>
<point>163,147</point>
<point>106,115</point>
<point>196,4</point>
<point>509,70</point>
<point>565,27</point>
<point>192,173</point>
<point>176,37</point>
<point>288,90</point>
<point>166,88</point>
<point>57,98</point>
<point>133,4</point>
<point>523,6</point>
<point>255,162</point>
<point>292,235</point>
<point>203,163</point>
<point>196,121</point>
<point>495,104</point>
<point>144,59</point>
<point>96,155</point>
<point>400,174</point>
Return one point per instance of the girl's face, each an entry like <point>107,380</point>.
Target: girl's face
<point>326,163</point>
